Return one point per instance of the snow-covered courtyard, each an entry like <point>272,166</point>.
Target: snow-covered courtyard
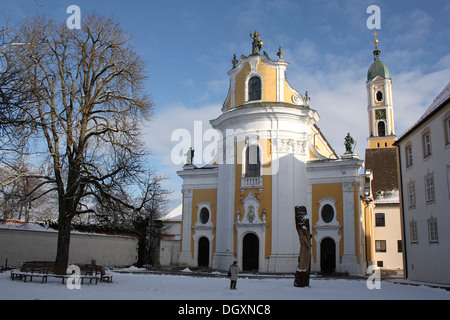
<point>144,286</point>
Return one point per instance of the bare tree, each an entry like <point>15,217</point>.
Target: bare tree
<point>16,182</point>
<point>12,194</point>
<point>148,223</point>
<point>143,218</point>
<point>14,96</point>
<point>86,103</point>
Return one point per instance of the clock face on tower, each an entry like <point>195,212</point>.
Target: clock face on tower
<point>380,114</point>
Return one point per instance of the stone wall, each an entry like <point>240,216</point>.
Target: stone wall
<point>26,242</point>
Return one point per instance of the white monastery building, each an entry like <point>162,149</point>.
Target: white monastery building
<point>424,151</point>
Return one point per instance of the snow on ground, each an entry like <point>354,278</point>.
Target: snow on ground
<point>134,286</point>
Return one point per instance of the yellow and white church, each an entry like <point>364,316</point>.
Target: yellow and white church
<point>272,157</point>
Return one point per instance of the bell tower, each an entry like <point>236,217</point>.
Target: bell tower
<point>381,161</point>
<point>379,103</point>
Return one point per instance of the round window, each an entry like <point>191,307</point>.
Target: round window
<point>204,215</point>
<point>327,213</point>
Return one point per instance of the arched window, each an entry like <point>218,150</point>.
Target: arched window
<point>381,128</point>
<point>252,161</point>
<point>254,88</point>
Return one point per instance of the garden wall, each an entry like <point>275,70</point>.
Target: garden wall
<point>25,242</point>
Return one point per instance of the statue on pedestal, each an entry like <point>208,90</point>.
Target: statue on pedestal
<point>304,259</point>
<point>257,42</point>
<point>189,156</point>
<point>349,142</point>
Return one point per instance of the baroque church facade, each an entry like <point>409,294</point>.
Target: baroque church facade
<point>271,158</point>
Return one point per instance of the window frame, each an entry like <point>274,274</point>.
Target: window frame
<point>426,141</point>
<point>433,234</point>
<point>411,190</point>
<point>380,219</point>
<point>409,156</point>
<point>201,215</point>
<point>414,236</point>
<point>252,170</point>
<point>333,213</point>
<point>430,195</point>
<point>447,130</point>
<point>199,223</point>
<point>381,246</point>
<point>252,86</point>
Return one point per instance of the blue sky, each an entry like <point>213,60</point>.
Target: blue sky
<point>188,46</point>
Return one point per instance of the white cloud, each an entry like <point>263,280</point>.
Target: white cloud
<point>157,137</point>
<point>410,27</point>
<point>413,93</point>
<point>173,117</point>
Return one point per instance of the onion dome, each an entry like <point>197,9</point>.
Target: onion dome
<point>377,68</point>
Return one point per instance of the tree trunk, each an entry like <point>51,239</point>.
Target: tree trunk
<point>142,252</point>
<point>62,251</point>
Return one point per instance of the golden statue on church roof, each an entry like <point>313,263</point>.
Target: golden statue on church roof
<point>257,42</point>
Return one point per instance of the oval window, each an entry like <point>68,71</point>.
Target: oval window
<point>327,213</point>
<point>204,215</point>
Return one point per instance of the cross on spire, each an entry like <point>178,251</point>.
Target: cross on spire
<point>376,51</point>
<point>375,35</point>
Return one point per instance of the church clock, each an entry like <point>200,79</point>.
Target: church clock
<point>380,114</point>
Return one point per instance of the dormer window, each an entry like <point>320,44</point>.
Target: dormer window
<point>254,88</point>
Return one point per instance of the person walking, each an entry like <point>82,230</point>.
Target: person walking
<point>233,274</point>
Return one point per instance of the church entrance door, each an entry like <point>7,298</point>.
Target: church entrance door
<point>250,252</point>
<point>203,252</point>
<point>327,255</point>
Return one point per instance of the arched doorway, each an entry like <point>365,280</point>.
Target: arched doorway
<point>203,252</point>
<point>327,255</point>
<point>250,252</point>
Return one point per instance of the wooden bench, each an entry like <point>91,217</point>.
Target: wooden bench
<point>24,275</point>
<point>64,277</point>
<point>106,278</point>
<point>32,269</point>
<point>46,269</point>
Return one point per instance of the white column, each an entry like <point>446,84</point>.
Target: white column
<point>186,254</point>
<point>224,255</point>
<point>349,261</point>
